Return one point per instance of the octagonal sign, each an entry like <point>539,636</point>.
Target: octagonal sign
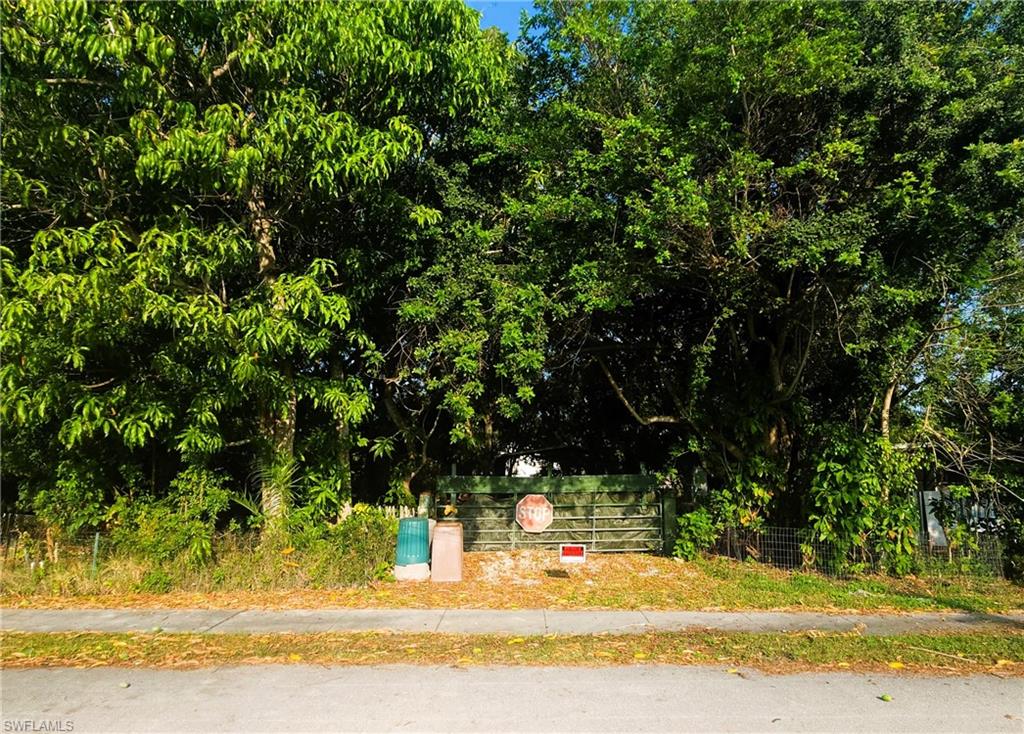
<point>534,513</point>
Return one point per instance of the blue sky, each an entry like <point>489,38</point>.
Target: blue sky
<point>502,13</point>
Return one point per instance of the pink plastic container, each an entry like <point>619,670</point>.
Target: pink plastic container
<point>446,552</point>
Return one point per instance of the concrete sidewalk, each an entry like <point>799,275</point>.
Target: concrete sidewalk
<point>486,621</point>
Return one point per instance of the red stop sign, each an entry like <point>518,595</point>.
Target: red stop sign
<point>534,513</point>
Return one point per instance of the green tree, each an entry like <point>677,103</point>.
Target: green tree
<point>201,201</point>
<point>753,216</point>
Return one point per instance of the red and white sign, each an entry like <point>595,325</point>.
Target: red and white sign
<point>572,553</point>
<point>534,513</point>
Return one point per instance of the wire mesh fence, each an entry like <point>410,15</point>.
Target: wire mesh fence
<point>24,540</point>
<point>798,549</point>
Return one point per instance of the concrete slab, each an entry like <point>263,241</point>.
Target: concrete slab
<point>796,621</point>
<point>486,621</point>
<point>592,623</point>
<point>675,621</point>
<point>398,620</point>
<point>197,620</point>
<point>978,619</point>
<point>78,620</point>
<point>333,620</point>
<point>271,622</point>
<point>882,624</point>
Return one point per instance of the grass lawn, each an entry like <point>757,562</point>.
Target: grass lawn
<point>535,579</point>
<point>1000,654</point>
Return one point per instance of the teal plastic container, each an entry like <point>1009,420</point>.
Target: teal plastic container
<point>413,541</point>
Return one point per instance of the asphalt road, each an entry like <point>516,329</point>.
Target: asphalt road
<point>301,698</point>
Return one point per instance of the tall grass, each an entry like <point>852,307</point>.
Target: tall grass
<point>356,551</point>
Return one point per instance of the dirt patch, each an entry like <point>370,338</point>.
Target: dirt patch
<point>531,567</point>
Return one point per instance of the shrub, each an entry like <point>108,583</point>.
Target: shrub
<point>153,550</point>
<point>863,499</point>
<point>180,525</point>
<point>74,500</point>
<point>359,549</point>
<point>697,533</point>
<point>156,581</point>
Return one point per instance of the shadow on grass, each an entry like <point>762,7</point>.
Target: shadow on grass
<point>976,607</point>
<point>975,596</point>
<point>751,584</point>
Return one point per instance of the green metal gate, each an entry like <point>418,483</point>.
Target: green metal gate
<point>608,513</point>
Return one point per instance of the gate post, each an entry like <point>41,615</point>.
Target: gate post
<point>669,523</point>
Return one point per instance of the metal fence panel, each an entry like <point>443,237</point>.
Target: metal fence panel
<point>607,513</point>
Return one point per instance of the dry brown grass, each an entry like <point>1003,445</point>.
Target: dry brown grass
<point>534,579</point>
<point>999,654</point>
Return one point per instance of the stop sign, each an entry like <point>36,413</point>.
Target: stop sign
<point>534,513</point>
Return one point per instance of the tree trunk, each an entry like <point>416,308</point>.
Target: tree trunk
<point>890,391</point>
<point>277,458</point>
<point>276,421</point>
<point>887,401</point>
<point>344,444</point>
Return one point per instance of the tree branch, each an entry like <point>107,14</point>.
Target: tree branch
<point>649,420</point>
<point>54,81</point>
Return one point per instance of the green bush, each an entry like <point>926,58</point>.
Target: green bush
<point>358,550</point>
<point>156,581</point>
<point>697,533</point>
<point>73,502</point>
<point>179,526</point>
<point>864,502</point>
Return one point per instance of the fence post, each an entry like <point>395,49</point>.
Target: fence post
<point>669,523</point>
<point>95,552</point>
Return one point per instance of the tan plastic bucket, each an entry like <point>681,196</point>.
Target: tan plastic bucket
<point>446,555</point>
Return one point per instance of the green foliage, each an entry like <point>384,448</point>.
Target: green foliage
<point>77,498</point>
<point>180,526</point>
<point>322,250</point>
<point>755,223</point>
<point>1013,554</point>
<point>356,550</point>
<point>156,581</point>
<point>863,496</point>
<point>746,500</point>
<point>359,549</point>
<point>198,208</point>
<point>697,533</point>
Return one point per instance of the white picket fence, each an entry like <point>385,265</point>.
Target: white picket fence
<point>398,511</point>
